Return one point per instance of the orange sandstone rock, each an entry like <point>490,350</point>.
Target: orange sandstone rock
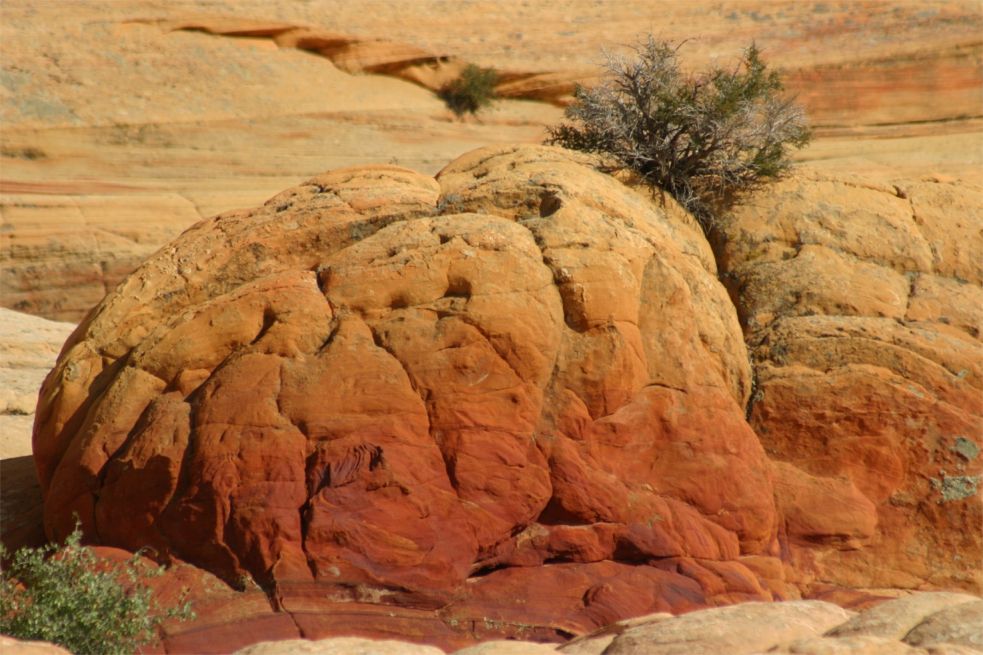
<point>504,393</point>
<point>861,306</point>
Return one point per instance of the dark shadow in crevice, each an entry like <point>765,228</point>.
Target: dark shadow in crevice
<point>21,507</point>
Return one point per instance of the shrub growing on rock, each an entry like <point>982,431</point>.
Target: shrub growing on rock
<point>471,91</point>
<point>705,138</point>
<point>70,597</point>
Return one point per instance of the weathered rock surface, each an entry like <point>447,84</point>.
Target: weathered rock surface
<point>353,54</point>
<point>68,250</point>
<point>118,134</point>
<point>738,629</point>
<point>896,618</point>
<point>28,350</point>
<point>802,627</point>
<point>960,624</point>
<point>863,310</point>
<point>338,646</point>
<point>510,402</point>
<point>504,394</point>
<point>876,81</point>
<point>11,646</point>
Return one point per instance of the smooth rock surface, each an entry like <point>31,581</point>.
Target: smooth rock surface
<point>338,646</point>
<point>500,647</point>
<point>11,646</point>
<point>737,629</point>
<point>960,624</point>
<point>896,618</point>
<point>29,346</point>
<point>801,628</point>
<point>848,646</point>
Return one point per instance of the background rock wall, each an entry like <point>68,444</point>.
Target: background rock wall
<point>863,311</point>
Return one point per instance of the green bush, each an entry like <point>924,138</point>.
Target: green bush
<point>70,597</point>
<point>705,138</point>
<point>473,90</point>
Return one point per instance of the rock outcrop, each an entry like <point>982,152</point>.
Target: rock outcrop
<point>11,646</point>
<point>837,88</point>
<point>898,627</point>
<point>863,311</point>
<point>106,108</point>
<point>353,54</point>
<point>510,402</point>
<point>920,624</point>
<point>512,393</point>
<point>69,245</point>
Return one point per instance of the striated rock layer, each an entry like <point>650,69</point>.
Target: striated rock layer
<point>919,624</point>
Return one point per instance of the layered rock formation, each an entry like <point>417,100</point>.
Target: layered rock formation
<point>65,251</point>
<point>126,122</point>
<point>352,54</point>
<point>515,392</point>
<point>863,312</point>
<point>921,624</point>
<point>836,89</point>
<point>510,401</point>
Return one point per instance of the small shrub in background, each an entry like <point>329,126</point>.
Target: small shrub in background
<point>703,138</point>
<point>69,597</point>
<point>471,91</point>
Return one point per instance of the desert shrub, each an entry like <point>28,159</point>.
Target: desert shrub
<point>472,90</point>
<point>27,152</point>
<point>66,595</point>
<point>705,138</point>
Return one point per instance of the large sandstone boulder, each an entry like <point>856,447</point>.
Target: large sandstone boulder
<point>514,393</point>
<point>863,312</point>
<point>736,630</point>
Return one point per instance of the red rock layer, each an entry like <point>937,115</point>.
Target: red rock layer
<point>514,393</point>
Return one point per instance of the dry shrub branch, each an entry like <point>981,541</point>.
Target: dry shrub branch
<point>705,138</point>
